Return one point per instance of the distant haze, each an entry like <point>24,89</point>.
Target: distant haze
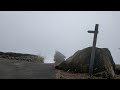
<point>44,32</point>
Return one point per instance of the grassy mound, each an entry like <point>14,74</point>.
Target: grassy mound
<point>22,57</point>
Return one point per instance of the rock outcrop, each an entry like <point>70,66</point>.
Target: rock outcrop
<point>58,58</point>
<point>79,62</point>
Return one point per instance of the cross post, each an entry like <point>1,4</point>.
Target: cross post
<point>93,49</point>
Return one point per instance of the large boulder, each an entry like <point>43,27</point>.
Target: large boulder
<point>58,57</point>
<point>79,62</point>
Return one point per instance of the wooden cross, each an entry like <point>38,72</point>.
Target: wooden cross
<point>93,49</point>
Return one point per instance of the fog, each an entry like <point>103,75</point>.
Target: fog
<point>44,32</point>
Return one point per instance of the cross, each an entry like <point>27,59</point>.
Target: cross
<point>93,49</point>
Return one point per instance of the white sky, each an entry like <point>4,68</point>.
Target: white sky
<point>44,32</point>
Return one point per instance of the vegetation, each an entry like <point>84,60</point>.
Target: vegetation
<point>23,57</point>
<point>117,69</point>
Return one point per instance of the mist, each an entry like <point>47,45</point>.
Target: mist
<point>44,32</point>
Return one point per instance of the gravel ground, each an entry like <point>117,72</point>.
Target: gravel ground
<point>60,74</point>
<point>14,69</point>
<point>67,75</point>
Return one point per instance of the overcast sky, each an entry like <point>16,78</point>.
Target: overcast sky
<point>44,32</point>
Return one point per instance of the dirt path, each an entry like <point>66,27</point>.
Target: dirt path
<point>13,69</point>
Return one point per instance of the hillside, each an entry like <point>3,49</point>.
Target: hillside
<point>21,57</point>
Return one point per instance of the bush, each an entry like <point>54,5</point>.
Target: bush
<point>40,59</point>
